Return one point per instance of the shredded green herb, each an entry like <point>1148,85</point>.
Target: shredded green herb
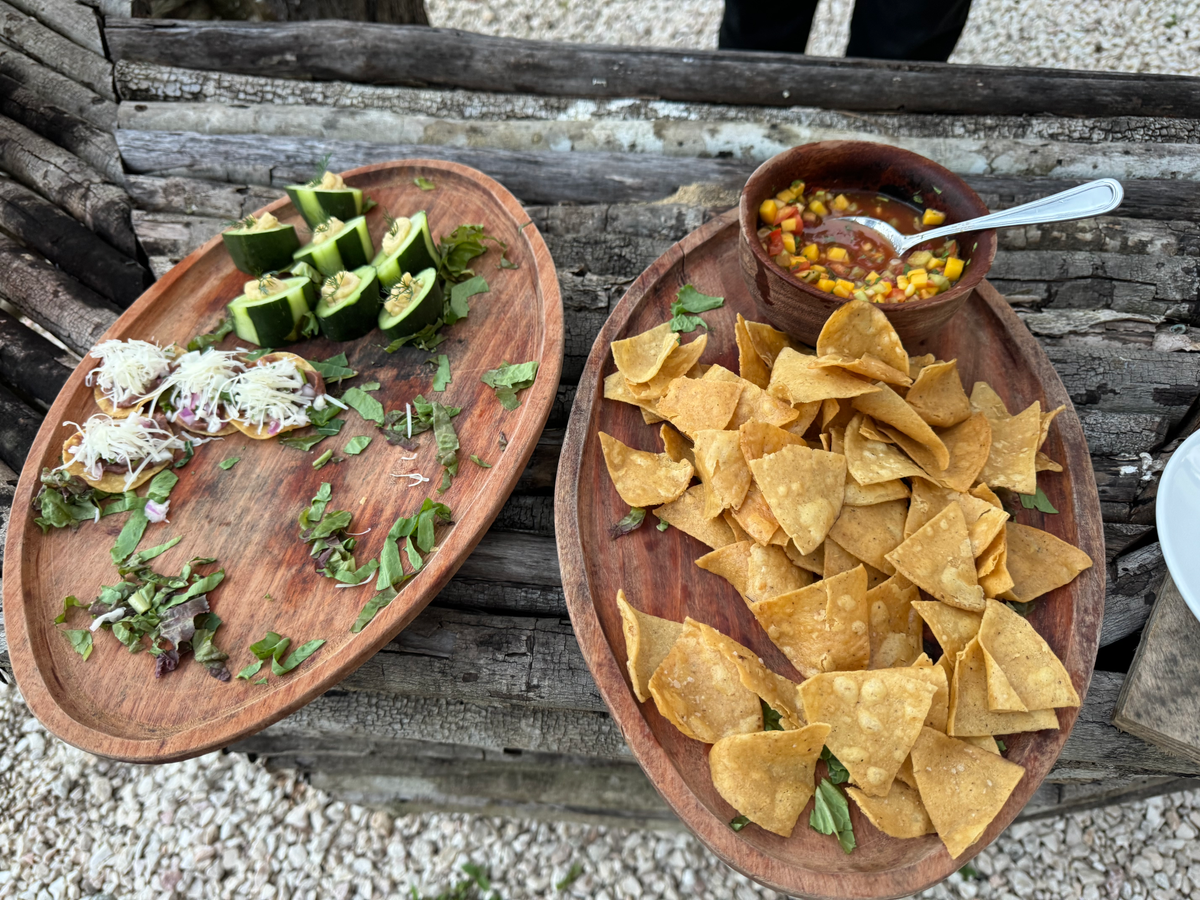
<point>189,450</point>
<point>203,341</point>
<point>689,301</point>
<point>1038,501</point>
<point>228,464</point>
<point>304,442</point>
<point>456,307</point>
<point>631,521</point>
<point>80,640</point>
<point>738,823</point>
<point>442,378</point>
<point>461,246</point>
<point>356,445</point>
<point>771,718</point>
<point>258,354</point>
<point>420,527</point>
<point>831,814</point>
<point>364,404</point>
<point>135,526</point>
<point>331,547</point>
<point>424,183</point>
<point>321,460</point>
<point>838,773</point>
<point>333,369</point>
<point>663,525</point>
<point>479,462</point>
<point>510,378</point>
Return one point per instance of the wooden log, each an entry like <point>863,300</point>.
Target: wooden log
<point>58,89</point>
<point>51,49</point>
<point>1130,595</point>
<point>30,363</point>
<point>380,54</point>
<point>95,146</point>
<point>68,182</point>
<point>20,428</point>
<point>74,314</point>
<point>72,20</point>
<point>43,227</point>
<point>193,196</point>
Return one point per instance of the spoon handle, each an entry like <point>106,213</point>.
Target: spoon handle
<point>1092,199</point>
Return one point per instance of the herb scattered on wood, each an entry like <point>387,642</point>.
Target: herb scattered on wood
<point>424,184</point>
<point>687,303</point>
<point>1038,501</point>
<point>203,341</point>
<point>189,450</point>
<point>228,464</point>
<point>456,307</point>
<point>831,814</point>
<point>321,460</point>
<point>463,244</point>
<point>479,462</point>
<point>135,526</point>
<point>356,445</point>
<point>738,823</point>
<point>838,773</point>
<point>418,533</point>
<point>364,404</point>
<point>632,521</point>
<point>332,548</point>
<point>442,377</point>
<point>273,647</point>
<point>510,378</point>
<point>333,369</point>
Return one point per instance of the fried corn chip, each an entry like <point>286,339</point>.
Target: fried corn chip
<point>939,706</point>
<point>1043,463</point>
<point>887,407</point>
<point>1001,696</point>
<point>938,397</point>
<point>996,580</point>
<point>617,388</point>
<point>777,692</point>
<point>796,378</point>
<point>640,357</point>
<point>756,518</point>
<point>895,626</point>
<point>984,742</point>
<point>722,468</point>
<point>814,561</point>
<point>1033,670</point>
<point>968,444</point>
<point>768,342</point>
<point>642,478</point>
<point>1044,426</point>
<point>687,514</point>
<point>732,522</point>
<point>984,399</point>
<point>872,532</point>
<point>1039,562</point>
<point>917,363</point>
<point>758,439</point>
<point>874,718</point>
<point>678,363</point>
<point>805,489</point>
<point>904,775</point>
<point>822,627</point>
<point>648,640</point>
<point>856,329</point>
<point>869,431</point>
<point>750,364</point>
<point>806,414</point>
<point>983,492</point>
<point>770,573</point>
<point>650,418</point>
<point>962,787</point>
<point>1012,460</point>
<point>867,366</point>
<point>952,628</point>
<point>768,777</point>
<point>900,814</point>
<point>698,404</point>
<point>938,559</point>
<point>731,562</point>
<point>870,494</point>
<point>874,462</point>
<point>699,691</point>
<point>984,521</point>
<point>754,404</point>
<point>969,713</point>
<point>838,559</point>
<point>675,445</point>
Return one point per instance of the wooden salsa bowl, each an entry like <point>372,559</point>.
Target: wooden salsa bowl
<point>800,309</point>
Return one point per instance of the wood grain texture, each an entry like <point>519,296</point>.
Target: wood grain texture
<point>416,56</point>
<point>111,705</point>
<point>656,571</point>
<point>59,53</point>
<point>1160,700</point>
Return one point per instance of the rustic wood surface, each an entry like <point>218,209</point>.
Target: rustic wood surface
<point>111,705</point>
<point>1160,700</point>
<point>656,572</point>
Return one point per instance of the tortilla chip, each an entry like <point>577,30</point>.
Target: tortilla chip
<point>796,378</point>
<point>110,482</point>
<point>1012,460</point>
<point>1044,428</point>
<point>770,573</point>
<point>939,706</point>
<point>1039,562</point>
<point>1043,463</point>
<point>1033,670</point>
<point>640,357</point>
<point>756,405</point>
<point>650,418</point>
<point>938,559</point>
<point>870,432</point>
<point>756,518</point>
<point>900,814</point>
<point>962,787</point>
<point>777,692</point>
<point>648,640</point>
<point>758,439</point>
<point>983,741</point>
<point>938,397</point>
<point>822,627</point>
<point>984,399</point>
<point>874,462</point>
<point>917,363</point>
<point>904,775</point>
<point>969,712</point>
<point>874,718</point>
<point>642,478</point>
<point>768,777</point>
<point>870,494</point>
<point>739,533</point>
<point>687,514</point>
<point>895,627</point>
<point>731,562</point>
<point>1001,696</point>
<point>768,342</point>
<point>838,559</point>
<point>983,492</point>
<point>984,521</point>
<point>872,532</point>
<point>814,561</point>
<point>750,364</point>
<point>617,388</point>
<point>998,580</point>
<point>868,366</point>
<point>675,445</point>
<point>677,365</point>
<point>887,407</point>
<point>804,489</point>
<point>699,691</point>
<point>856,329</point>
<point>699,404</point>
<point>968,444</point>
<point>722,468</point>
<point>952,628</point>
<point>806,414</point>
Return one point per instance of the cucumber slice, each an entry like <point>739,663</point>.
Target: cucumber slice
<point>317,204</point>
<point>423,309</point>
<point>355,315</point>
<point>257,251</point>
<point>416,253</point>
<point>343,251</point>
<point>274,320</point>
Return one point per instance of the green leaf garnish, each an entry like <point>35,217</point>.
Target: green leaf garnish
<point>333,369</point>
<point>632,521</point>
<point>228,464</point>
<point>738,823</point>
<point>831,814</point>
<point>305,442</point>
<point>203,341</point>
<point>356,445</point>
<point>1038,501</point>
<point>510,378</point>
<point>250,671</point>
<point>479,462</point>
<point>424,184</point>
<point>81,641</point>
<point>364,404</point>
<point>456,307</point>
<point>442,378</point>
<point>771,718</point>
<point>838,773</point>
<point>69,603</point>
<point>461,246</point>
<point>297,656</point>
<point>1003,747</point>
<point>689,300</point>
<point>321,460</point>
<point>374,605</point>
<point>258,354</point>
<point>135,526</point>
<point>189,450</point>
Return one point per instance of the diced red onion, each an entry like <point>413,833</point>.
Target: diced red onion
<point>274,429</point>
<point>157,512</point>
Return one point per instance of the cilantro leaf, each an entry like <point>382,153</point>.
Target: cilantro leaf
<point>228,464</point>
<point>510,378</point>
<point>831,814</point>
<point>1038,501</point>
<point>364,404</point>
<point>689,300</point>
<point>632,521</point>
<point>838,773</point>
<point>442,378</point>
<point>424,183</point>
<point>771,718</point>
<point>356,445</point>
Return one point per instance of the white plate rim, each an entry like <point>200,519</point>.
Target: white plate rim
<point>1179,525</point>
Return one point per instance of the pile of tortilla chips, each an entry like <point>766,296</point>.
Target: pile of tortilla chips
<point>850,498</point>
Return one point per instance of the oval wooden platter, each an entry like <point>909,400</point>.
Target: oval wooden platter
<point>657,572</point>
<point>111,704</point>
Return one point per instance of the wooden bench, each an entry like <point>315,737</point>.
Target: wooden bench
<point>484,703</point>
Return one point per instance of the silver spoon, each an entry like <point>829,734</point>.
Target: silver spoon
<point>1092,199</point>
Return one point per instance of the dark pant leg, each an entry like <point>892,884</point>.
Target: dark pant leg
<point>766,25</point>
<point>906,29</point>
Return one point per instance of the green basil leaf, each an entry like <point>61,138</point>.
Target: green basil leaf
<point>202,341</point>
<point>266,647</point>
<point>441,378</point>
<point>414,558</point>
<point>682,323</point>
<point>391,570</point>
<point>364,404</point>
<point>356,445</point>
<point>370,386</point>
<point>831,814</point>
<point>258,354</point>
<point>688,299</point>
<point>334,369</point>
<point>69,603</point>
<point>250,671</point>
<point>479,462</point>
<point>299,655</point>
<point>838,773</point>
<point>1038,501</point>
<point>305,443</point>
<point>81,640</point>
<point>131,533</point>
<point>457,307</point>
<point>424,183</point>
<point>160,486</point>
<point>229,463</point>
<point>374,605</point>
<point>510,378</point>
<point>445,436</point>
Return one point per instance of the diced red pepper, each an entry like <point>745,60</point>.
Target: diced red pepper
<point>775,242</point>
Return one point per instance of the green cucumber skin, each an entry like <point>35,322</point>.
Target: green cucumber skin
<point>316,204</point>
<point>257,252</point>
<point>275,321</point>
<point>428,311</point>
<point>355,316</point>
<point>419,254</point>
<point>347,250</point>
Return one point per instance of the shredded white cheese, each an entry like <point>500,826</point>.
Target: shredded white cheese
<point>194,388</point>
<point>271,396</point>
<point>128,368</point>
<point>133,443</point>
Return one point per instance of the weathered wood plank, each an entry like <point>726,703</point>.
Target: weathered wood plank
<point>51,49</point>
<point>1129,596</point>
<point>380,54</point>
<point>70,245</point>
<point>58,89</point>
<point>30,363</point>
<point>67,181</point>
<point>193,196</point>
<point>1129,380</point>
<point>72,20</point>
<point>20,428</point>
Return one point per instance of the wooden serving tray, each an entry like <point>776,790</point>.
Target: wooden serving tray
<point>111,704</point>
<point>656,571</point>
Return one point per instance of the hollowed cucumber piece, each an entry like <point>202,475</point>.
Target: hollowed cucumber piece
<point>350,317</point>
<point>317,204</point>
<point>275,320</point>
<point>423,309</point>
<point>414,255</point>
<point>257,251</point>
<point>345,250</point>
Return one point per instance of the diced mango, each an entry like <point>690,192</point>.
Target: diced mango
<point>785,196</point>
<point>840,202</point>
<point>954,268</point>
<point>919,277</point>
<point>837,254</point>
<point>811,253</point>
<point>901,282</point>
<point>819,208</point>
<point>789,240</point>
<point>820,269</point>
<point>767,211</point>
<point>935,263</point>
<point>797,187</point>
<point>847,285</point>
<point>872,277</point>
<point>842,292</point>
<point>826,284</point>
<point>933,217</point>
<point>789,225</point>
<point>929,292</point>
